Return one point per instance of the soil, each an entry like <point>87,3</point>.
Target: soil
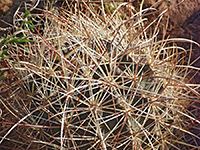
<point>4,5</point>
<point>184,22</point>
<point>7,10</point>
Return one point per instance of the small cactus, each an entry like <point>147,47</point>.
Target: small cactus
<point>95,78</point>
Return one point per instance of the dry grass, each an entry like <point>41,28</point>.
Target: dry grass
<point>96,77</point>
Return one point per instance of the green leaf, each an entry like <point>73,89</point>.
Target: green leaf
<point>23,47</point>
<point>27,13</point>
<point>2,54</point>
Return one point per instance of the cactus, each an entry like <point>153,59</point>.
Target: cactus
<point>96,78</point>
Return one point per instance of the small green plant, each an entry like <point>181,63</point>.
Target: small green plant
<point>16,40</point>
<point>12,41</point>
<point>19,39</point>
<point>29,21</point>
<point>2,54</point>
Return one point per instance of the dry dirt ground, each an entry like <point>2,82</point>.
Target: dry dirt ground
<point>7,9</point>
<point>184,21</point>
